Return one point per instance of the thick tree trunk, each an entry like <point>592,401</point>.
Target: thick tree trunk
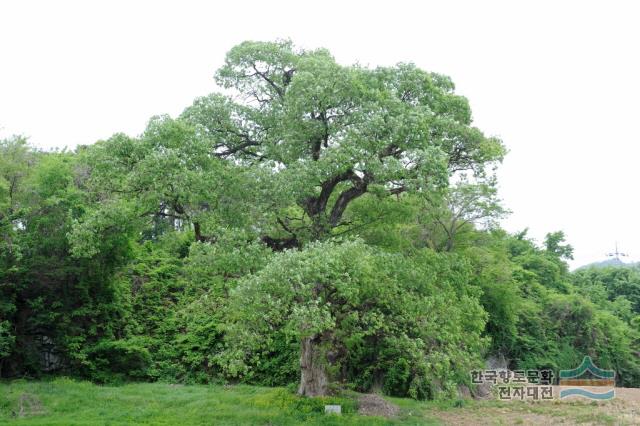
<point>313,373</point>
<point>198,232</point>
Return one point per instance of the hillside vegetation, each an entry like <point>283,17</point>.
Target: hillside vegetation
<point>318,226</point>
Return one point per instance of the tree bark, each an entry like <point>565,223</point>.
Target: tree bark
<point>280,244</point>
<point>343,201</point>
<point>315,206</point>
<point>313,374</point>
<point>197,232</point>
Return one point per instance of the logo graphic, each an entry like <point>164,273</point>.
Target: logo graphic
<point>587,374</point>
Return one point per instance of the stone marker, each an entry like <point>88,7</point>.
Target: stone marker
<point>333,409</point>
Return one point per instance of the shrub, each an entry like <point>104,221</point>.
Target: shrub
<point>112,361</point>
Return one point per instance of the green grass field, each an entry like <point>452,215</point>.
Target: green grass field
<point>69,402</point>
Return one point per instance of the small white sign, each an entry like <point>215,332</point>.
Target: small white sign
<point>333,409</point>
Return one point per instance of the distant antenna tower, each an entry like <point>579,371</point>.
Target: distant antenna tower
<point>616,254</point>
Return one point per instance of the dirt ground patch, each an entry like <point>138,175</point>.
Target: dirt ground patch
<point>495,417</point>
<point>624,409</point>
<point>375,405</point>
<point>29,405</point>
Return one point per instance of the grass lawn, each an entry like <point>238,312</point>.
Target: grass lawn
<point>69,402</point>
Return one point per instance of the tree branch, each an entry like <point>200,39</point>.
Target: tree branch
<point>275,87</point>
<point>315,205</point>
<point>348,195</point>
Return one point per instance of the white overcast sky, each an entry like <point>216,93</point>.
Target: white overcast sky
<point>558,81</point>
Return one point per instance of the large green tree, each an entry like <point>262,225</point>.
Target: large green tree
<point>360,315</point>
<point>330,133</point>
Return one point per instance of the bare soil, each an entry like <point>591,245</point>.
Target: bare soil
<point>374,405</point>
<point>624,409</point>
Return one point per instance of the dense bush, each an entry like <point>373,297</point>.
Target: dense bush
<point>112,361</point>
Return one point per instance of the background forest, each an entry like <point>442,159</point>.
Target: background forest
<point>313,225</point>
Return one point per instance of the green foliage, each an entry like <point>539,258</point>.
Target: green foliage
<point>321,218</point>
<point>118,360</point>
<point>7,339</point>
<point>562,317</point>
<point>553,245</point>
<point>611,283</point>
<point>330,133</point>
<point>369,309</point>
<point>302,409</point>
<point>501,296</point>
